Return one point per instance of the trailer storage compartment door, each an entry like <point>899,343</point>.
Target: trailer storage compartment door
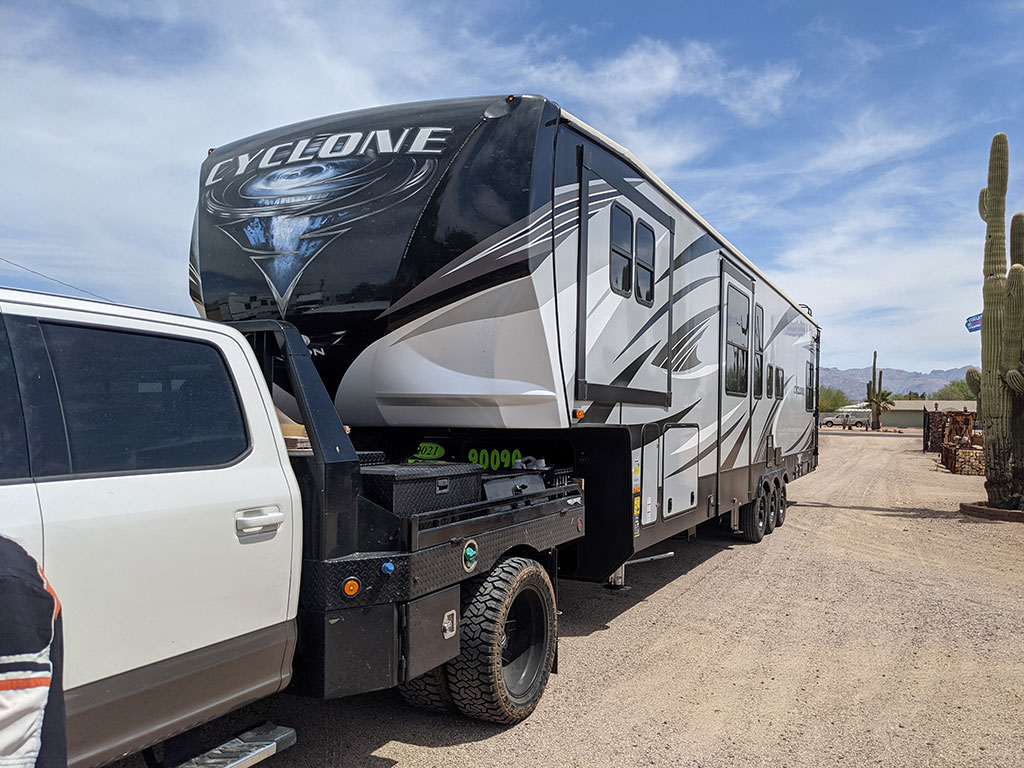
<point>680,468</point>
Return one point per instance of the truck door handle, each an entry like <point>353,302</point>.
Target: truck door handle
<point>249,522</point>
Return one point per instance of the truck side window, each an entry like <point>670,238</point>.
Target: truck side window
<point>621,257</point>
<point>758,350</point>
<point>134,402</point>
<point>644,264</point>
<point>780,383</point>
<point>737,344</point>
<point>770,382</point>
<point>13,447</point>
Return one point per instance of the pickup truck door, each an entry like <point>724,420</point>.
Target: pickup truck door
<point>19,505</point>
<point>168,516</point>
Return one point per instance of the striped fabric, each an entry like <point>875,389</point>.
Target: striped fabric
<point>31,659</point>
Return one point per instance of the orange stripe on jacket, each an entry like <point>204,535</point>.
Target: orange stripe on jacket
<point>24,682</point>
<point>46,583</point>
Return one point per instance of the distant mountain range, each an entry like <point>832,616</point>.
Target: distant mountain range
<point>853,381</point>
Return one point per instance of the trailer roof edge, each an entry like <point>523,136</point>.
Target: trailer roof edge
<point>665,189</point>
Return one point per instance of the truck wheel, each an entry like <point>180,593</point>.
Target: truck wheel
<point>508,642</point>
<point>752,519</point>
<point>829,423</point>
<point>772,506</point>
<point>780,506</point>
<point>858,424</point>
<point>428,691</point>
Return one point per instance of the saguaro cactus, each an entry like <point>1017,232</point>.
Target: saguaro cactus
<point>874,389</point>
<point>1001,380</point>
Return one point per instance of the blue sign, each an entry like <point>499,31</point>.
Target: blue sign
<point>973,323</point>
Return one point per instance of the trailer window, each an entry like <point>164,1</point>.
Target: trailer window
<point>135,402</point>
<point>811,389</point>
<point>758,350</point>
<point>780,383</point>
<point>621,257</point>
<point>737,328</point>
<point>644,264</point>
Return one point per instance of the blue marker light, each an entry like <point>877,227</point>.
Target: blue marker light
<point>387,568</point>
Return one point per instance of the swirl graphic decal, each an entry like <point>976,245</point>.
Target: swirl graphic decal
<point>283,218</point>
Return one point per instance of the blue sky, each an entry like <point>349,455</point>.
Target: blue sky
<point>841,147</point>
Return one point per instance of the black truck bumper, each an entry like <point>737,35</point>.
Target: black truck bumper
<point>405,617</point>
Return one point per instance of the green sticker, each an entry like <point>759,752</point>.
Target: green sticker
<point>429,452</point>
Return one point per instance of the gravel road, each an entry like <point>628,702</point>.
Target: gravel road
<point>876,627</point>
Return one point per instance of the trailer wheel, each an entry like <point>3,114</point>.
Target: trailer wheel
<point>752,519</point>
<point>428,691</point>
<point>780,507</point>
<point>508,642</point>
<point>772,507</point>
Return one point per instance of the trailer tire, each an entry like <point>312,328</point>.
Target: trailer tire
<point>771,502</point>
<point>509,630</point>
<point>780,509</point>
<point>752,519</point>
<point>429,691</point>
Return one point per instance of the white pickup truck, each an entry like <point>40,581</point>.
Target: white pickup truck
<point>202,564</point>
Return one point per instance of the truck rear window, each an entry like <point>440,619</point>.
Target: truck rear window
<point>134,401</point>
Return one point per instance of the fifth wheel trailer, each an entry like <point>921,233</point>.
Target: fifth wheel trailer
<point>486,279</point>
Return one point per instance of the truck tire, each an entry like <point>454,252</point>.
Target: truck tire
<point>509,630</point>
<point>771,502</point>
<point>780,509</point>
<point>429,691</point>
<point>829,423</point>
<point>752,519</point>
<point>858,424</point>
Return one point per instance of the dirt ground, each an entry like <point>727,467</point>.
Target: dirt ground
<point>876,627</point>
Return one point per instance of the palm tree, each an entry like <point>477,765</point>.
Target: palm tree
<point>880,402</point>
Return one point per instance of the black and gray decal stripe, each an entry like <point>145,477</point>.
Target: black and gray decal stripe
<point>768,422</point>
<point>803,437</point>
<point>598,412</point>
<point>790,315</point>
<point>706,451</point>
<point>664,310</point>
<point>691,331</point>
<point>730,460</point>
<point>702,245</point>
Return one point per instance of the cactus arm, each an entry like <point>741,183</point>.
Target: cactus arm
<point>973,378</point>
<point>1013,330</point>
<point>1017,239</point>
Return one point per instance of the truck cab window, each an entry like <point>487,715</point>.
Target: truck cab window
<point>737,338</point>
<point>644,264</point>
<point>13,447</point>
<point>758,350</point>
<point>621,256</point>
<point>139,402</point>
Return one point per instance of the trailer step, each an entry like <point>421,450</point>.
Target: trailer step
<point>249,748</point>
